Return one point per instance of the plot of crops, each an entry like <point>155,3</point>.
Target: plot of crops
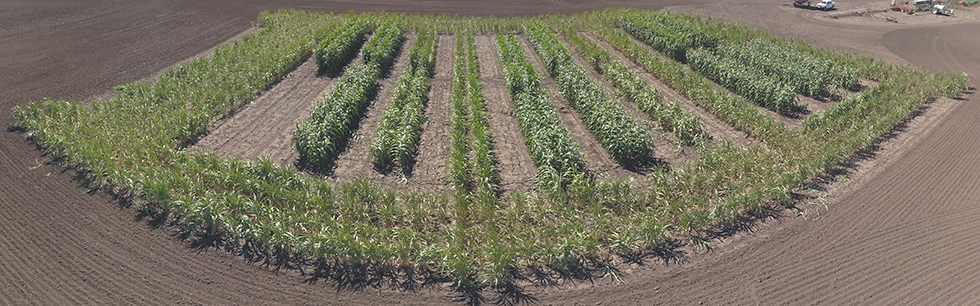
<point>480,150</point>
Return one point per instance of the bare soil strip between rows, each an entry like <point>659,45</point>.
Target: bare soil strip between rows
<point>596,158</point>
<point>813,105</point>
<point>714,126</point>
<point>264,128</point>
<point>789,122</point>
<point>514,162</point>
<point>355,163</point>
<point>665,143</point>
<point>433,158</point>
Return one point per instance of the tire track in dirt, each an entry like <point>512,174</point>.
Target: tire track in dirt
<point>514,162</point>
<point>714,126</point>
<point>265,127</point>
<point>433,157</point>
<point>595,156</point>
<point>952,48</point>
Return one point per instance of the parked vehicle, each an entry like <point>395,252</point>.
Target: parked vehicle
<point>940,9</point>
<point>801,3</point>
<point>826,4</point>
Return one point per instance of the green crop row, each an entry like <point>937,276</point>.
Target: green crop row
<point>324,135</point>
<point>397,136</point>
<point>484,160</point>
<point>736,111</point>
<point>859,107</point>
<point>809,75</point>
<point>669,33</point>
<point>745,81</point>
<point>692,43</point>
<point>458,174</point>
<point>552,148</point>
<point>625,140</point>
<point>382,48</point>
<point>472,165</point>
<point>335,51</point>
<point>669,116</point>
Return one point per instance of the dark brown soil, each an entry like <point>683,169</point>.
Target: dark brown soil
<point>898,229</point>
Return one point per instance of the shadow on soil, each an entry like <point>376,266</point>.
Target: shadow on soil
<point>356,277</point>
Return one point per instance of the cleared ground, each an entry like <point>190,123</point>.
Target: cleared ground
<point>898,231</point>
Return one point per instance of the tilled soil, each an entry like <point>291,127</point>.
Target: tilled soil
<point>596,158</point>
<point>263,129</point>
<point>898,230</point>
<point>514,162</point>
<point>665,144</point>
<point>714,126</point>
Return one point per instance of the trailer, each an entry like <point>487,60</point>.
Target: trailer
<point>922,5</point>
<point>801,3</point>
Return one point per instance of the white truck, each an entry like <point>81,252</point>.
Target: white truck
<point>826,5</point>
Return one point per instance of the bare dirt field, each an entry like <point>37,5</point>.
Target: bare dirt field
<point>898,227</point>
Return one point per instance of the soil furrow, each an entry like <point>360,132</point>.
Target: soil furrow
<point>595,156</point>
<point>433,155</point>
<point>265,127</point>
<point>714,126</point>
<point>355,162</point>
<point>514,162</point>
